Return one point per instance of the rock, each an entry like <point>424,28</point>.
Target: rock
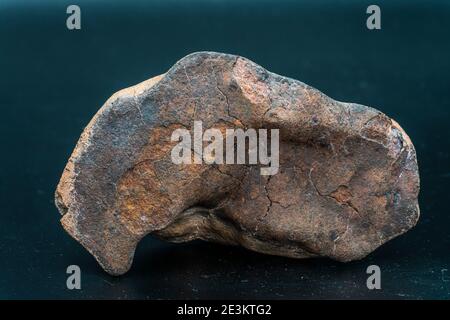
<point>347,180</point>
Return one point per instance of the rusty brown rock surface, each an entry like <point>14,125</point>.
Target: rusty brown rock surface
<point>348,179</point>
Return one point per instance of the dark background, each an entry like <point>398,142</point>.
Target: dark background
<point>52,81</point>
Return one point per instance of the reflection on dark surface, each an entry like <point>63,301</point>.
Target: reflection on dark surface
<point>52,82</point>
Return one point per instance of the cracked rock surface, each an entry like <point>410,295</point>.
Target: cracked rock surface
<point>348,178</point>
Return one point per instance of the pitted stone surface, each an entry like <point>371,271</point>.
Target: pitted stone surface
<point>348,179</point>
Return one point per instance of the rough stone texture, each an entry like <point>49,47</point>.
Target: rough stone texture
<point>348,179</point>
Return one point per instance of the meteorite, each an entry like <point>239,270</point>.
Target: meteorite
<point>347,179</point>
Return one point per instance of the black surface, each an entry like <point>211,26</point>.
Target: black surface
<point>52,81</point>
